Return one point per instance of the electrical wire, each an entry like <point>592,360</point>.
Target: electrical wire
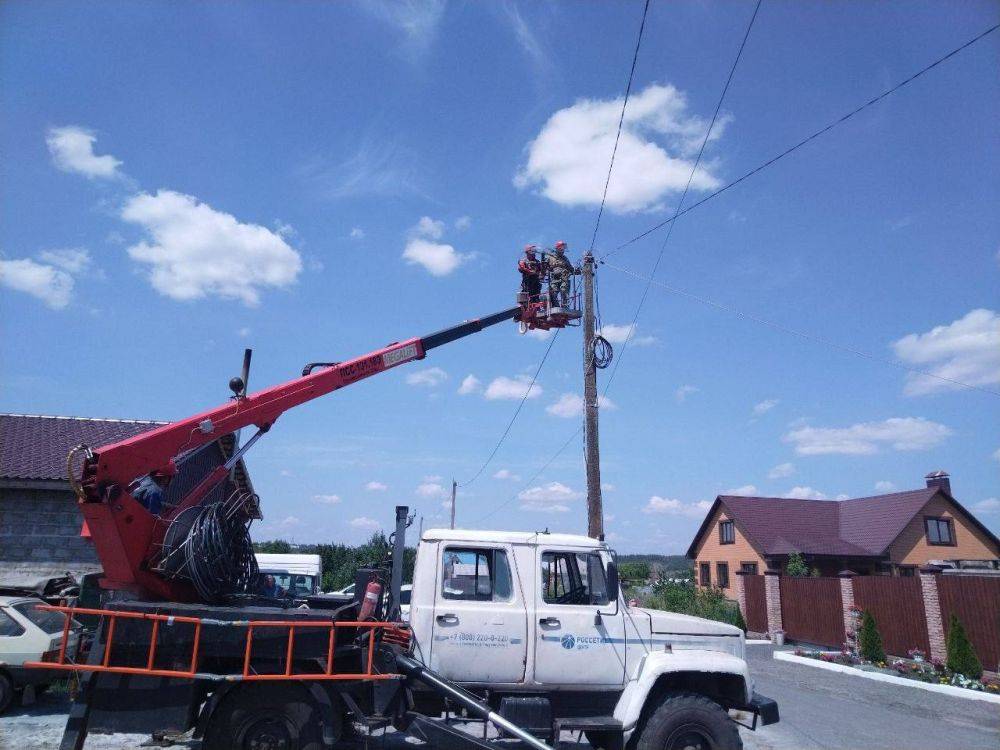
<point>802,334</point>
<point>621,121</point>
<point>680,203</point>
<point>804,141</point>
<point>517,411</point>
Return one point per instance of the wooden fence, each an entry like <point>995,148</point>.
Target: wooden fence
<point>756,601</point>
<point>811,610</point>
<point>976,602</point>
<point>897,605</point>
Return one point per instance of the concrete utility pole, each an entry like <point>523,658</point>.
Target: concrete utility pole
<point>595,509</point>
<point>454,486</point>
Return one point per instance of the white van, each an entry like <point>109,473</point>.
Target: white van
<point>298,575</point>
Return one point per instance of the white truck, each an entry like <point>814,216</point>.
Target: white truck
<point>298,575</point>
<point>527,631</point>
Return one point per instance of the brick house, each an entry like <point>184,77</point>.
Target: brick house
<point>39,521</point>
<point>892,534</point>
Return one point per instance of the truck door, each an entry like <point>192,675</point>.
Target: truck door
<point>572,645</point>
<point>480,626</point>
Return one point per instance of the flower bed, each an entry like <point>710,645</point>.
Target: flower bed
<point>912,669</point>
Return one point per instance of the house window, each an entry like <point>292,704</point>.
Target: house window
<point>722,575</point>
<point>940,531</point>
<point>476,575</point>
<point>705,574</point>
<point>906,571</point>
<point>726,533</point>
<point>748,568</point>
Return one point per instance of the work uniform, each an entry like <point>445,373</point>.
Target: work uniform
<point>560,269</point>
<point>531,277</point>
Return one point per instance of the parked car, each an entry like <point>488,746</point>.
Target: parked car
<point>29,634</point>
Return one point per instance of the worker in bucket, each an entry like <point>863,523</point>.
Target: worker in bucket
<point>531,273</point>
<point>560,270</point>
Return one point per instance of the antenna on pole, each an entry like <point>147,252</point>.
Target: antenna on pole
<point>592,452</point>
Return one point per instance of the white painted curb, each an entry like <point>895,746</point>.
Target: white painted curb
<point>975,695</point>
<point>757,642</point>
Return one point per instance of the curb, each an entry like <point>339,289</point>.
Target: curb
<point>957,692</point>
<point>757,642</point>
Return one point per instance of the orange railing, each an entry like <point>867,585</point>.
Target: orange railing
<point>391,632</point>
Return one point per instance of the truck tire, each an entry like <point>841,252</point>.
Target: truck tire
<point>688,721</point>
<point>6,691</point>
<point>274,716</point>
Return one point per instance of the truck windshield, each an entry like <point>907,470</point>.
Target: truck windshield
<point>293,584</point>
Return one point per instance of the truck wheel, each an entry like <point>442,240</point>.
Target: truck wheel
<point>6,691</point>
<point>278,716</point>
<point>687,721</point>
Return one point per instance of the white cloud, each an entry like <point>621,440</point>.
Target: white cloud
<point>512,388</point>
<point>571,405</point>
<point>567,161</point>
<point>429,378</point>
<point>746,490</point>
<point>326,499</point>
<point>289,521</point>
<point>357,233</point>
<point>375,486</point>
<point>681,394</point>
<point>967,350</point>
<point>415,21</point>
<point>507,474</point>
<point>421,248</point>
<point>243,332</point>
<point>463,222</point>
<point>619,334</point>
<point>996,454</point>
<point>673,507</point>
<point>197,251</point>
<point>470,384</point>
<point>541,335</point>
<point>72,150</point>
<point>608,487</point>
<point>989,505</point>
<point>764,406</point>
<point>805,493</point>
<point>71,260</point>
<point>431,489</point>
<point>364,522</point>
<point>884,486</point>
<point>51,285</point>
<point>865,438</point>
<point>553,497</point>
<point>781,470</point>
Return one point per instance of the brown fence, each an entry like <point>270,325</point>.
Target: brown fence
<point>811,610</point>
<point>976,602</point>
<point>897,605</point>
<point>756,613</point>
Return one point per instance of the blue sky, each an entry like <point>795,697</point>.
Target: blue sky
<point>182,180</point>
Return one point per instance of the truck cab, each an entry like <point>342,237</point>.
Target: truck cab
<point>539,615</point>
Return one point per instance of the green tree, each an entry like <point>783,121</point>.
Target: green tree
<point>961,656</point>
<point>870,640</point>
<point>740,622</point>
<point>277,547</point>
<point>796,566</point>
<point>634,572</point>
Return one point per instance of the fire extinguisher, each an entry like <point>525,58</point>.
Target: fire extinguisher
<point>372,593</point>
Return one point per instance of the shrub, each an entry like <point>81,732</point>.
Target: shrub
<point>687,599</point>
<point>870,640</point>
<point>796,566</point>
<point>740,622</point>
<point>961,656</point>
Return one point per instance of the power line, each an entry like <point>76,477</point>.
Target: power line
<point>801,334</point>
<point>597,224</point>
<point>621,121</point>
<point>517,411</point>
<point>804,141</point>
<point>534,476</point>
<point>680,203</point>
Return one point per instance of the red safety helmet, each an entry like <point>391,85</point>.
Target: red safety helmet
<point>530,249</point>
<point>560,245</point>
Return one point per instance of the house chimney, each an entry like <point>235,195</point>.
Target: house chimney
<point>939,480</point>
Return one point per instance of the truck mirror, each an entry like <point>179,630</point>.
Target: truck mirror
<point>613,584</point>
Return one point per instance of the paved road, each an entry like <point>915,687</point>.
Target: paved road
<point>821,709</point>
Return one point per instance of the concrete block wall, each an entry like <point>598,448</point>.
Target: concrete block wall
<point>40,529</point>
